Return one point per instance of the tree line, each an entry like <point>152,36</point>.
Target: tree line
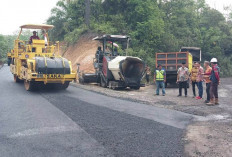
<point>7,43</point>
<point>153,25</point>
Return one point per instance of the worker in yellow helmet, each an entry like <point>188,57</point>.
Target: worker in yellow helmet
<point>160,79</point>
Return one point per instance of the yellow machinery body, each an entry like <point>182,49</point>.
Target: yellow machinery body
<point>23,60</point>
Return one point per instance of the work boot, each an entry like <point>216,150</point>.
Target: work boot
<point>211,102</point>
<point>216,101</point>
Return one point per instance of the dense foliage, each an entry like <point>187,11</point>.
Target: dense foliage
<point>7,43</point>
<point>153,25</point>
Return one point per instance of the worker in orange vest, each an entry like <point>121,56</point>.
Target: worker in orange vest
<point>207,80</point>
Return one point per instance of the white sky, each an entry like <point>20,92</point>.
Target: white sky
<point>14,13</point>
<point>219,4</point>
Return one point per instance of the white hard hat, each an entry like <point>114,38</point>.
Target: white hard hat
<point>214,60</point>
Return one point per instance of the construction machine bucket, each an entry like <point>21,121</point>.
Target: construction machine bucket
<point>132,70</point>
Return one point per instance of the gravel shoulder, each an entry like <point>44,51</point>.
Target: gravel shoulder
<point>146,95</point>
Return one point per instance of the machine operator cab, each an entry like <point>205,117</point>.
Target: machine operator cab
<point>35,44</point>
<point>109,47</point>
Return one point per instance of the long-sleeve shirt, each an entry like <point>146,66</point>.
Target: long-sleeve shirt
<point>214,77</point>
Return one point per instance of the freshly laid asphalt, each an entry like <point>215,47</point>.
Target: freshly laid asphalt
<point>80,123</point>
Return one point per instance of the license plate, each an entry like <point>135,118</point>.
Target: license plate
<point>55,76</point>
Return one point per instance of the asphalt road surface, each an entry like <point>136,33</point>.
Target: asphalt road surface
<point>80,123</point>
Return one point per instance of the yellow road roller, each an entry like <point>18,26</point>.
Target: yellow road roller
<point>36,61</point>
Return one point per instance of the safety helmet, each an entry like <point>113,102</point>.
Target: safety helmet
<point>213,60</point>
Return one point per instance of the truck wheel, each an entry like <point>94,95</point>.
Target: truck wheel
<point>16,79</point>
<point>29,86</point>
<point>166,84</point>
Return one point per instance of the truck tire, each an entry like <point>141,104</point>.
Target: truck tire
<point>29,86</point>
<point>166,84</point>
<point>16,79</point>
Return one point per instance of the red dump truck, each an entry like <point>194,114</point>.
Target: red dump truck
<point>171,61</point>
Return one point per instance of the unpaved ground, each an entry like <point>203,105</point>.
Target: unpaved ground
<point>171,101</point>
<point>209,139</point>
<point>211,136</point>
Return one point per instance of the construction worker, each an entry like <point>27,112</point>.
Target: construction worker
<point>160,79</point>
<point>193,76</point>
<point>182,78</point>
<point>148,73</point>
<point>208,69</point>
<point>215,81</point>
<point>34,36</point>
<point>200,79</point>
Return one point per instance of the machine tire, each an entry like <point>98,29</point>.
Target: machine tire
<point>136,87</point>
<point>58,86</point>
<point>9,61</point>
<point>16,79</point>
<point>103,83</point>
<point>65,85</point>
<point>29,86</point>
<point>81,81</point>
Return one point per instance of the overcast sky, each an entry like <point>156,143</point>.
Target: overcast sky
<point>14,13</point>
<point>219,4</point>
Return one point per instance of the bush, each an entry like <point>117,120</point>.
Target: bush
<point>72,37</point>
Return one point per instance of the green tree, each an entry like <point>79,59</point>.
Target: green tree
<point>3,48</point>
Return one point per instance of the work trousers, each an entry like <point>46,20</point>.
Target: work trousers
<point>200,88</point>
<point>183,85</point>
<point>194,84</point>
<point>213,90</point>
<point>160,84</point>
<point>208,91</point>
<point>148,78</point>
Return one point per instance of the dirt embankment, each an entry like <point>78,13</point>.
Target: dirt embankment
<point>82,52</point>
